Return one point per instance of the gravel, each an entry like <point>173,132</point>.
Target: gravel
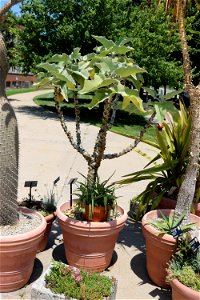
<point>25,224</point>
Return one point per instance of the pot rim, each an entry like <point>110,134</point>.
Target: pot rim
<point>25,236</point>
<point>89,224</point>
<point>152,230</point>
<point>175,283</point>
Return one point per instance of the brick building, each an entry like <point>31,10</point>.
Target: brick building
<point>15,79</point>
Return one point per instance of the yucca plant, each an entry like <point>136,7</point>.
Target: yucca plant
<point>107,76</point>
<point>166,170</point>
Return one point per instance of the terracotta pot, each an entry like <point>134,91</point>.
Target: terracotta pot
<point>17,255</point>
<point>99,214</point>
<point>159,248</point>
<point>182,292</point>
<point>168,203</point>
<point>197,209</point>
<point>89,244</point>
<point>43,243</point>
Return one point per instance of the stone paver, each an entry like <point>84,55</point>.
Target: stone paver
<point>45,154</point>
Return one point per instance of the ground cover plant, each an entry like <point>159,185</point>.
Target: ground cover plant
<point>75,283</point>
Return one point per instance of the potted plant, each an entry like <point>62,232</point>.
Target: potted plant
<point>21,229</point>
<point>184,272</point>
<point>161,244</point>
<point>45,206</point>
<point>108,76</point>
<point>62,281</point>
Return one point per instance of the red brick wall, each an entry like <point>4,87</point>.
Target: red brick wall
<point>19,80</point>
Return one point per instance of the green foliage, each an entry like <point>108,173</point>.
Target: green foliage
<point>185,266</point>
<point>45,205</point>
<point>78,284</point>
<point>103,74</point>
<point>166,223</point>
<point>165,177</point>
<point>100,194</point>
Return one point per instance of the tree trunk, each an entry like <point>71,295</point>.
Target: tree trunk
<point>8,149</point>
<point>187,189</point>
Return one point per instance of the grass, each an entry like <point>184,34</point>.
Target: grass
<point>10,92</point>
<point>128,123</point>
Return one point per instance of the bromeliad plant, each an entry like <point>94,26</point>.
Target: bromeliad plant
<point>169,165</point>
<point>107,76</point>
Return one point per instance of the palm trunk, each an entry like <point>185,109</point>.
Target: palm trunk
<point>187,189</point>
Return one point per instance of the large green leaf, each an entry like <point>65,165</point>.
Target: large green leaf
<point>59,57</point>
<point>129,70</point>
<point>43,81</point>
<point>55,70</point>
<point>97,98</point>
<point>172,94</point>
<point>75,54</point>
<point>105,42</point>
<point>91,85</point>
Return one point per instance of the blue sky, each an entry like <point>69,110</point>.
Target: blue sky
<point>15,8</point>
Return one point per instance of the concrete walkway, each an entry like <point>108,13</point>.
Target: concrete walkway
<point>45,154</point>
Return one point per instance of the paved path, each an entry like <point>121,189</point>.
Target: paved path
<point>45,154</point>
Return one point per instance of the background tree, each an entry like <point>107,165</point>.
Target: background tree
<point>50,28</point>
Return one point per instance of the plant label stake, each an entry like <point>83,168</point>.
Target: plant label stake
<point>194,244</point>
<point>72,180</point>
<point>30,184</point>
<point>176,232</point>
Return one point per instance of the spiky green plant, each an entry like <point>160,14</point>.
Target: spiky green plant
<point>167,169</point>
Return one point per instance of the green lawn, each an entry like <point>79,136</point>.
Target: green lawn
<point>129,123</point>
<point>10,92</point>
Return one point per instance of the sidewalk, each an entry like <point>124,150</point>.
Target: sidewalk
<point>45,154</point>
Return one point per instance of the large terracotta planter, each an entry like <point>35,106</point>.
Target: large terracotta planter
<point>17,255</point>
<point>168,203</point>
<point>43,243</point>
<point>182,292</point>
<point>89,244</point>
<point>159,248</point>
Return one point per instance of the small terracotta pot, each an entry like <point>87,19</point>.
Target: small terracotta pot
<point>89,245</point>
<point>159,248</point>
<point>99,214</point>
<point>17,255</point>
<point>43,243</point>
<point>182,292</point>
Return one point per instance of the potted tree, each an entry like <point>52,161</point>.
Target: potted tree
<point>187,188</point>
<point>21,229</point>
<point>107,76</point>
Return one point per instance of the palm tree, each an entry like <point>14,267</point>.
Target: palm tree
<point>187,189</point>
<point>8,140</point>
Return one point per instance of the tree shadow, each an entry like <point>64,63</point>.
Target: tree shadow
<point>138,266</point>
<point>37,271</point>
<point>131,235</point>
<point>55,235</point>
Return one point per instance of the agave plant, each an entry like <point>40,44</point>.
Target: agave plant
<point>166,170</point>
<point>107,76</point>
